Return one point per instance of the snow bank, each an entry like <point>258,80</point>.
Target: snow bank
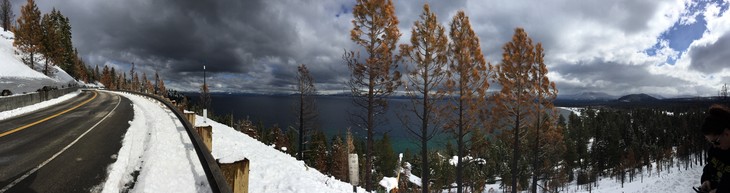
<point>27,109</point>
<point>455,159</point>
<point>11,64</point>
<point>389,183</point>
<point>678,181</point>
<point>271,170</point>
<point>159,149</point>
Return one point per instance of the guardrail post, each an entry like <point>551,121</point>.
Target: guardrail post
<point>236,175</point>
<point>190,116</point>
<point>206,132</point>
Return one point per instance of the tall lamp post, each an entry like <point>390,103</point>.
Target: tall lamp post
<point>204,75</point>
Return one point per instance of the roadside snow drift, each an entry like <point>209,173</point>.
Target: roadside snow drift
<point>27,109</point>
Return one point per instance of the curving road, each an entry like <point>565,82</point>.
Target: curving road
<point>63,148</point>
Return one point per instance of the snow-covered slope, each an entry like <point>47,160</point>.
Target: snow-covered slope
<point>18,77</point>
<point>271,170</point>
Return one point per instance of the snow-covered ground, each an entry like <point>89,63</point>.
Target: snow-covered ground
<point>676,180</point>
<point>158,149</point>
<point>270,170</point>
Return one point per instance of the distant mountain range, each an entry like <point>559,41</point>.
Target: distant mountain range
<point>637,98</point>
<point>588,96</point>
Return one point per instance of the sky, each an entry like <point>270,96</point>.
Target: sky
<point>664,47</point>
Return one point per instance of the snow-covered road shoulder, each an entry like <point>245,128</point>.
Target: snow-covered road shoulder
<point>157,149</point>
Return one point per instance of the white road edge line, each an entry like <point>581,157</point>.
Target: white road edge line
<point>6,188</point>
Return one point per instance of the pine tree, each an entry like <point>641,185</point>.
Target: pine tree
<point>467,81</point>
<point>135,83</point>
<point>371,82</point>
<point>97,76</point>
<point>29,34</point>
<point>319,152</point>
<point>113,79</point>
<point>277,138</point>
<point>545,93</point>
<point>149,87</point>
<point>49,42</point>
<point>306,107</point>
<point>134,79</point>
<point>386,160</point>
<point>81,67</point>
<point>56,44</point>
<point>339,159</point>
<point>145,83</point>
<point>292,148</point>
<point>157,84</point>
<point>523,81</point>
<point>122,81</point>
<point>162,88</point>
<point>6,14</point>
<point>68,55</point>
<point>428,52</point>
<point>106,77</point>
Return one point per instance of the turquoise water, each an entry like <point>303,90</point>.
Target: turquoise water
<point>334,116</point>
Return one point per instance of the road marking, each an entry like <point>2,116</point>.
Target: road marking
<point>6,188</point>
<point>47,118</point>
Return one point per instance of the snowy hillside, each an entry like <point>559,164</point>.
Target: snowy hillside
<point>20,78</point>
<point>271,170</point>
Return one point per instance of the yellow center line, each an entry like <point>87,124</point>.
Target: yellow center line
<point>47,118</point>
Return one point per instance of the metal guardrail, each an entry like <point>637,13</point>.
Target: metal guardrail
<point>213,172</point>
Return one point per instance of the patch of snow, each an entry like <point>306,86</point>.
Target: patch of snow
<point>576,110</point>
<point>455,159</point>
<point>27,109</point>
<point>388,183</point>
<point>11,64</point>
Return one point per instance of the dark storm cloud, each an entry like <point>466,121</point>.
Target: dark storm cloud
<point>713,57</point>
<point>268,38</point>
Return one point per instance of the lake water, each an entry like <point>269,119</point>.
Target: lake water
<point>334,116</point>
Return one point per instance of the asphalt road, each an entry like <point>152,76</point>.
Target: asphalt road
<point>66,147</point>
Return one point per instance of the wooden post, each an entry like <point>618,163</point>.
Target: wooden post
<point>206,133</point>
<point>236,174</point>
<point>191,117</point>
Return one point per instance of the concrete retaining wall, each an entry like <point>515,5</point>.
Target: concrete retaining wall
<point>14,102</point>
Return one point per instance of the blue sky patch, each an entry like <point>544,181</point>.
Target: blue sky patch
<point>680,36</point>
